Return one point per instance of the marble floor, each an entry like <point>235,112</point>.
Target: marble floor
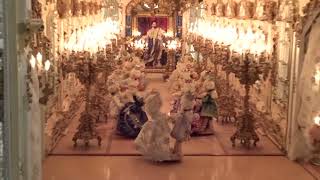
<point>219,144</point>
<point>191,168</point>
<point>207,158</point>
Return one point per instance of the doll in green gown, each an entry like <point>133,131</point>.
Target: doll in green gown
<point>209,108</point>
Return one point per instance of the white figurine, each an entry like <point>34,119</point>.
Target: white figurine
<point>115,103</point>
<point>153,141</point>
<point>182,125</point>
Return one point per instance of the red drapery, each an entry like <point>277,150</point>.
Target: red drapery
<point>144,23</point>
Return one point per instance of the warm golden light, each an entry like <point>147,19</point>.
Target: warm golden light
<point>317,76</point>
<point>139,44</point>
<point>32,61</point>
<point>173,45</point>
<point>47,65</point>
<point>240,37</point>
<point>136,33</point>
<point>93,38</point>
<point>168,34</point>
<point>317,120</point>
<point>39,59</point>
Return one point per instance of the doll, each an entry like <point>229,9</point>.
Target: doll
<point>137,79</point>
<point>126,93</point>
<point>209,109</point>
<point>131,118</point>
<point>115,104</point>
<point>153,141</point>
<point>182,125</point>
<point>197,121</point>
<point>175,104</point>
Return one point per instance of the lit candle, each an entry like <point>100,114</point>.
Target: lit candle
<point>316,85</point>
<point>317,120</point>
<point>47,65</point>
<point>33,61</point>
<point>39,60</point>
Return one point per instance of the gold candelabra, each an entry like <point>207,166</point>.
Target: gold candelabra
<point>86,70</point>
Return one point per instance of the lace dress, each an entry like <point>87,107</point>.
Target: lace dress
<point>153,141</point>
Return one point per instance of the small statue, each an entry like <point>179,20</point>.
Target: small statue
<point>138,80</point>
<point>245,9</point>
<point>197,122</point>
<point>36,9</point>
<point>213,9</point>
<point>115,103</point>
<point>153,141</point>
<point>182,125</point>
<point>131,118</point>
<point>176,103</point>
<point>287,11</point>
<point>209,109</point>
<point>220,9</point>
<point>265,10</point>
<point>231,9</point>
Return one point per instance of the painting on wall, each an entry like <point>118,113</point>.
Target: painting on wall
<point>145,22</point>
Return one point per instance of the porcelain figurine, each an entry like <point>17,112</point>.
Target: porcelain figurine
<point>131,118</point>
<point>197,122</point>
<point>219,9</point>
<point>245,9</point>
<point>176,103</point>
<point>182,125</point>
<point>115,103</point>
<point>153,141</point>
<point>209,108</point>
<point>138,79</point>
<point>231,8</point>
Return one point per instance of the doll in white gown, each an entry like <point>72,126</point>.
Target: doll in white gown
<point>153,141</point>
<point>182,125</point>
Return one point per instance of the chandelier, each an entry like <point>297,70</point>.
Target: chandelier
<point>241,37</point>
<point>93,38</point>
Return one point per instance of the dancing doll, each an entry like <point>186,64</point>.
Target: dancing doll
<point>176,103</point>
<point>182,125</point>
<point>153,141</point>
<point>115,104</point>
<point>131,118</point>
<point>209,109</point>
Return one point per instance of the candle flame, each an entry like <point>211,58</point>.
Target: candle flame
<point>240,37</point>
<point>39,58</point>
<point>317,120</point>
<point>47,65</point>
<point>33,61</point>
<point>93,38</point>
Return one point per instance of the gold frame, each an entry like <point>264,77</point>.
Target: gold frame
<point>171,21</point>
<point>171,27</point>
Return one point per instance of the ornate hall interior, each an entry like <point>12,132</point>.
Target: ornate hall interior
<point>160,89</point>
